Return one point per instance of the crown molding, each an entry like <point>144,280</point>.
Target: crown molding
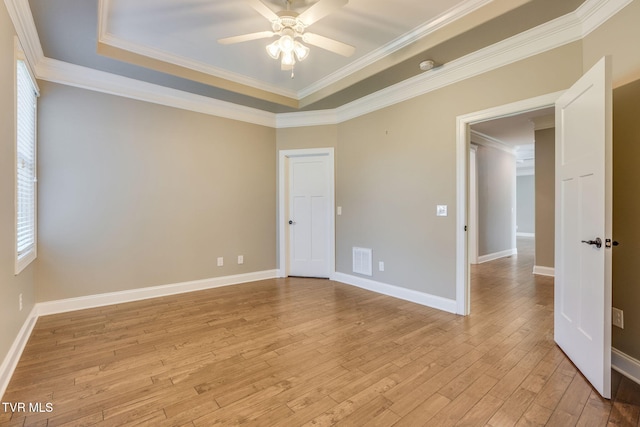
<point>311,118</point>
<point>107,38</point>
<point>544,122</point>
<point>87,78</point>
<point>593,13</point>
<point>563,30</point>
<point>489,141</point>
<point>548,36</point>
<point>20,14</point>
<point>416,34</point>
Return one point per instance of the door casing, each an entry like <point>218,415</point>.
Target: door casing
<point>283,205</point>
<point>463,124</point>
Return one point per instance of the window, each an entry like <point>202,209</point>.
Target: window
<point>26,95</point>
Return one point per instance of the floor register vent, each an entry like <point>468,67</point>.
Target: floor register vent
<point>362,261</point>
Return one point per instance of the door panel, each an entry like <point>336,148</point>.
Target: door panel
<point>309,216</point>
<point>583,213</point>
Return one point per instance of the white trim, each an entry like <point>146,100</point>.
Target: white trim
<point>417,297</point>
<point>593,13</point>
<point>462,148</point>
<point>480,138</point>
<point>404,40</point>
<point>497,255</point>
<point>100,81</point>
<point>100,300</point>
<point>418,33</point>
<point>522,234</point>
<point>20,13</point>
<point>170,58</point>
<point>283,268</point>
<point>625,364</point>
<point>15,351</point>
<point>544,271</point>
<point>544,122</point>
<point>547,36</point>
<point>304,118</point>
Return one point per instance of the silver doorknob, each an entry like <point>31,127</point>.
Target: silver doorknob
<point>291,222</point>
<point>597,243</point>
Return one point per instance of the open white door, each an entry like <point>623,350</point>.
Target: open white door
<point>583,225</point>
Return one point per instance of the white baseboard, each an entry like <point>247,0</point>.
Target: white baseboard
<point>525,234</point>
<point>544,271</point>
<point>418,297</point>
<point>99,300</point>
<point>626,365</point>
<point>15,351</point>
<point>497,255</point>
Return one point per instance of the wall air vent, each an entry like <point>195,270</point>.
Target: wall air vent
<point>362,261</point>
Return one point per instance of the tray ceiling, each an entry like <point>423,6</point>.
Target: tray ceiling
<point>173,43</point>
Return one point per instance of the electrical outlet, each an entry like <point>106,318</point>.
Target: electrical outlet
<point>220,261</point>
<point>617,317</point>
<point>381,266</point>
<point>20,301</point>
<point>240,259</point>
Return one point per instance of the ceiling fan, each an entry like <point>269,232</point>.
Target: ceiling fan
<point>290,28</point>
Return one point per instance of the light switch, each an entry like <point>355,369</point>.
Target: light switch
<point>441,210</point>
<point>339,210</point>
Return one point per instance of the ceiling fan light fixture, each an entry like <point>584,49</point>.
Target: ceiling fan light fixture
<point>273,49</point>
<point>288,58</point>
<point>300,50</point>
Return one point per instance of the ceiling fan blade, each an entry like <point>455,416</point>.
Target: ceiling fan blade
<point>320,10</point>
<point>263,9</point>
<point>329,44</point>
<point>247,37</point>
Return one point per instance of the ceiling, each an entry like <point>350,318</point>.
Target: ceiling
<point>173,43</point>
<point>517,134</point>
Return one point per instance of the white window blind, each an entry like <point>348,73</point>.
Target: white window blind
<point>25,168</point>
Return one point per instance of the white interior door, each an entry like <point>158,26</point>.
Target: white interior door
<point>309,216</point>
<point>583,216</point>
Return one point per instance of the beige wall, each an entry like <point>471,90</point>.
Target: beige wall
<point>11,286</point>
<point>134,194</point>
<point>617,37</point>
<point>395,165</point>
<point>626,212</point>
<point>545,197</point>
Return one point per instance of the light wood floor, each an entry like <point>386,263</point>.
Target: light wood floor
<point>293,352</point>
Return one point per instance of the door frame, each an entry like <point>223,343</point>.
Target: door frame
<point>283,205</point>
<point>463,124</point>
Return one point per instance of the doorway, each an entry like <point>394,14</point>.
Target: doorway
<point>306,226</point>
<point>462,152</point>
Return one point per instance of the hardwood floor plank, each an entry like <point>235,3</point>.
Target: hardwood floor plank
<point>295,351</point>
